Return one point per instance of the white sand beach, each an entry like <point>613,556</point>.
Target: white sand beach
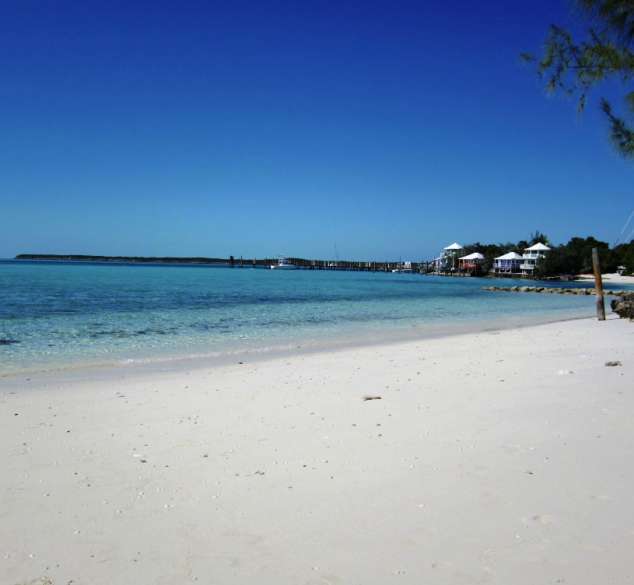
<point>495,457</point>
<point>611,278</point>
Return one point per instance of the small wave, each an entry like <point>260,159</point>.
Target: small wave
<point>207,355</point>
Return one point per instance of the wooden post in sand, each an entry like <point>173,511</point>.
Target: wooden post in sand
<point>598,284</point>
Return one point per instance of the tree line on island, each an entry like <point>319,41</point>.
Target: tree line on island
<point>572,258</point>
<point>148,259</point>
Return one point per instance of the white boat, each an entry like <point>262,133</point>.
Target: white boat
<point>282,264</point>
<point>403,268</point>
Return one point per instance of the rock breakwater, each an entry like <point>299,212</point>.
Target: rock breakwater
<point>556,290</point>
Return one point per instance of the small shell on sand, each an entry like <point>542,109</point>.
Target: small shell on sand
<point>612,364</point>
<point>364,398</point>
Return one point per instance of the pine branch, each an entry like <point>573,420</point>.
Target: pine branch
<point>576,68</point>
<point>621,135</point>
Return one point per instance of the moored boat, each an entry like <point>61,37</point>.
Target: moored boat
<point>283,264</point>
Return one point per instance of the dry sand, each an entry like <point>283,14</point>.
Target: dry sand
<point>502,458</point>
<point>611,278</point>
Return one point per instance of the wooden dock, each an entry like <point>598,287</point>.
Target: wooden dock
<point>341,265</point>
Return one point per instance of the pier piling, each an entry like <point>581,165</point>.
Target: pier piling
<point>598,284</point>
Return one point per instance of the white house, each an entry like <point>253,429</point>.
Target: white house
<point>454,248</point>
<point>508,263</point>
<point>530,257</point>
<point>448,257</point>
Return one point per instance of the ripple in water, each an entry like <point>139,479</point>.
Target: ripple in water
<point>55,314</point>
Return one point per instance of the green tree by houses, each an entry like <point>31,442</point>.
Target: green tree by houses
<point>622,255</point>
<point>575,257</point>
<point>537,238</point>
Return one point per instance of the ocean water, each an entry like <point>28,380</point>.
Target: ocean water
<point>56,315</point>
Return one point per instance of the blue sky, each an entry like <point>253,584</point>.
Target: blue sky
<point>257,127</point>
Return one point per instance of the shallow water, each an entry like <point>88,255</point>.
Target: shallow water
<point>67,314</point>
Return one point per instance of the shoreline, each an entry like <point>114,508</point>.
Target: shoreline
<point>94,319</point>
<point>499,456</point>
<point>197,358</point>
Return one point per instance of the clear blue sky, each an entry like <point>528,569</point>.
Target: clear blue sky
<point>256,127</point>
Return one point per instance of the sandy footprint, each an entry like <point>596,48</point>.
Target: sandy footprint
<point>497,499</point>
<point>329,580</point>
<point>246,537</point>
<point>442,566</point>
<point>591,548</point>
<point>526,550</point>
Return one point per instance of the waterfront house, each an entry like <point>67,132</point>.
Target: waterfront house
<point>454,248</point>
<point>508,263</point>
<point>448,257</point>
<point>530,257</point>
<point>471,262</point>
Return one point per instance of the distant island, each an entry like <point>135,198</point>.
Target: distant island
<point>83,258</point>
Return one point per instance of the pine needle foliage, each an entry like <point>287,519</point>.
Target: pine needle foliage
<point>575,68</point>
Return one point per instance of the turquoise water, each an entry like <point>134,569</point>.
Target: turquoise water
<point>55,314</point>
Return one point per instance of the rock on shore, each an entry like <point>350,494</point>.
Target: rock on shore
<point>624,307</point>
